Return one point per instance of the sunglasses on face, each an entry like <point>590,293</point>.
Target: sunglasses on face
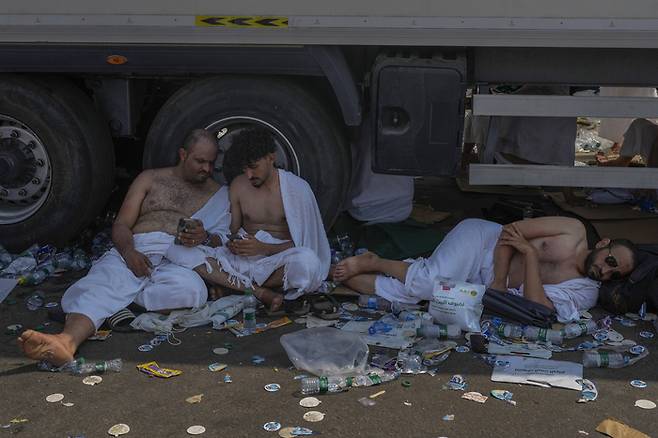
<point>611,261</point>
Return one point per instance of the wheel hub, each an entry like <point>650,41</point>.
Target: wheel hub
<point>25,171</point>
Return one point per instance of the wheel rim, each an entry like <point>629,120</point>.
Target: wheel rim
<point>25,171</point>
<point>227,127</point>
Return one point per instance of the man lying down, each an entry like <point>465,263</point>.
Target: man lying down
<point>545,260</point>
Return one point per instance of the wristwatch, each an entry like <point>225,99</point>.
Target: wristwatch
<point>208,240</point>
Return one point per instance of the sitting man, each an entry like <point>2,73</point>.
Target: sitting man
<point>136,269</point>
<point>546,260</point>
<point>278,237</point>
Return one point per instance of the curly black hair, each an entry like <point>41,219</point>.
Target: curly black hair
<point>250,145</point>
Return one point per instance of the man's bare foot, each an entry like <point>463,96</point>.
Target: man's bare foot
<point>351,266</point>
<point>40,346</point>
<point>270,298</point>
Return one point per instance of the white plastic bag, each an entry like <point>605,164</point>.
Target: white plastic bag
<point>458,303</point>
<point>326,351</point>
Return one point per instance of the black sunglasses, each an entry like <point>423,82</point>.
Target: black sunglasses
<point>611,261</point>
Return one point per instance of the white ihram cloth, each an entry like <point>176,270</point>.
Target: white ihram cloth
<point>466,254</point>
<point>305,265</point>
<point>110,285</point>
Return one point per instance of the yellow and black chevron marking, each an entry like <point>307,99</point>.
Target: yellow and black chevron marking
<point>241,21</point>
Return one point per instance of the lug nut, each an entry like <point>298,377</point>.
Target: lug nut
<point>36,181</point>
<point>32,145</point>
<point>22,192</point>
<point>15,134</point>
<point>40,162</point>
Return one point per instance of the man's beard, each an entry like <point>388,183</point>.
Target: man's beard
<point>592,272</point>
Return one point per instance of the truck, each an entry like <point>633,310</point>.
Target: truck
<point>82,82</point>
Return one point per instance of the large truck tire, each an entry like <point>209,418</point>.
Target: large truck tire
<point>309,140</point>
<point>56,161</point>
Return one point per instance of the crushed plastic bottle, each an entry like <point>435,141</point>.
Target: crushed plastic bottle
<point>63,260</point>
<point>374,302</point>
<point>41,273</point>
<point>533,333</point>
<point>576,329</point>
<point>80,260</point>
<point>379,327</point>
<point>439,331</point>
<point>80,366</point>
<point>20,265</point>
<point>323,384</point>
<point>610,359</point>
<point>512,331</point>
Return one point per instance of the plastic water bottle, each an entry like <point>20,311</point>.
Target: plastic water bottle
<point>37,276</point>
<point>605,359</point>
<point>63,260</point>
<point>249,311</point>
<point>576,329</point>
<point>322,385</point>
<point>439,331</point>
<point>511,331</point>
<point>374,302</point>
<point>533,333</point>
<point>80,366</point>
<point>80,260</point>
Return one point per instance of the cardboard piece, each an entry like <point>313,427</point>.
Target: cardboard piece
<point>538,372</point>
<point>616,429</point>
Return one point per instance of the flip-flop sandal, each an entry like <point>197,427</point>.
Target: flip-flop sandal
<point>299,307</point>
<point>325,306</point>
<point>120,321</point>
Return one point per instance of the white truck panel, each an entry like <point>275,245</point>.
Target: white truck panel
<point>560,23</point>
<point>371,8</point>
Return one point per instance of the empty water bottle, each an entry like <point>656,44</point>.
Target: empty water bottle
<point>439,331</point>
<point>532,333</point>
<point>511,331</point>
<point>37,276</point>
<point>80,366</point>
<point>63,260</point>
<point>379,327</point>
<point>323,384</point>
<point>80,260</point>
<point>576,329</point>
<point>374,302</point>
<point>249,311</point>
<point>21,265</point>
<point>607,359</point>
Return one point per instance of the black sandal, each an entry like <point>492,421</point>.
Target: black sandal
<point>324,306</point>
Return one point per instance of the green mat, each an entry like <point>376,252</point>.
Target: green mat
<point>396,241</point>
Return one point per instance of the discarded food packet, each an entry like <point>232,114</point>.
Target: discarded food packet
<point>456,383</point>
<point>227,378</point>
<point>274,324</point>
<point>475,396</point>
<point>637,349</point>
<point>504,395</point>
<point>627,322</point>
<point>646,334</point>
<point>153,369</point>
<point>301,431</point>
<point>257,359</point>
<point>449,417</point>
<point>100,335</point>
<point>589,391</point>
<point>44,365</point>
<point>214,367</point>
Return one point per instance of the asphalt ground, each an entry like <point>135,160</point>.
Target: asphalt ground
<point>155,407</point>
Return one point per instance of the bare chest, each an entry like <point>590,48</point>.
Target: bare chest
<point>557,260</point>
<point>174,196</point>
<point>262,208</point>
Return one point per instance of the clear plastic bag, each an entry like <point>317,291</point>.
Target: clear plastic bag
<point>326,351</point>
